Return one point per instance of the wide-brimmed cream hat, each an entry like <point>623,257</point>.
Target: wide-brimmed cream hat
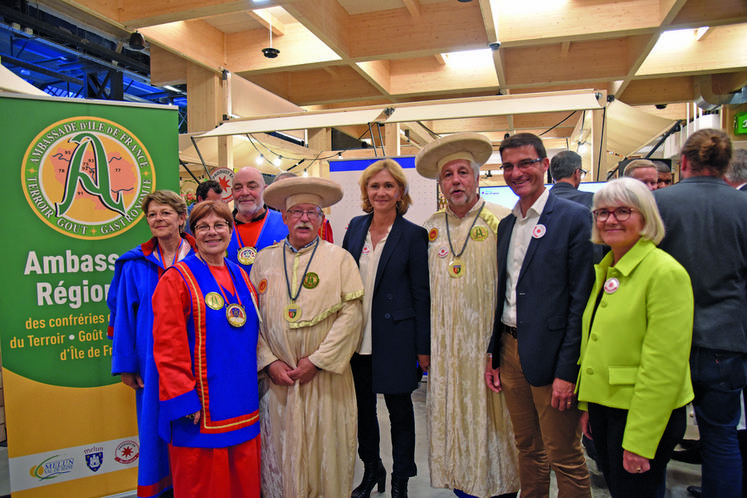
<point>322,192</point>
<point>470,146</point>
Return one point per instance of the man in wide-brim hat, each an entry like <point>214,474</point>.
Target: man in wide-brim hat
<point>310,304</point>
<point>471,442</point>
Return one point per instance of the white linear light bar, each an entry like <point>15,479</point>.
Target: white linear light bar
<point>296,122</point>
<point>421,111</point>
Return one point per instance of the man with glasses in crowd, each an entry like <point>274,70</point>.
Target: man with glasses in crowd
<point>567,173</point>
<point>310,303</point>
<point>545,274</point>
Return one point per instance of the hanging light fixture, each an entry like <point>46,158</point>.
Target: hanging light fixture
<point>270,52</point>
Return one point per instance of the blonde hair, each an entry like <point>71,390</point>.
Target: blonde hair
<point>630,192</point>
<point>394,169</point>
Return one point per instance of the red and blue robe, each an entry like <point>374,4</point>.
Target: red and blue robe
<point>204,363</point>
<point>136,274</point>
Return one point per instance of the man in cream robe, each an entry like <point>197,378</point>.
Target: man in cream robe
<point>310,303</point>
<point>471,440</point>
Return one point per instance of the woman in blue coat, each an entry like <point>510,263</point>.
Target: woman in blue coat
<point>136,274</point>
<point>392,255</point>
<point>635,345</point>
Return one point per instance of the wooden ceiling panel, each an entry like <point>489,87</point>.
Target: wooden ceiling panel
<point>298,48</point>
<point>196,41</point>
<point>543,22</point>
<point>426,75</point>
<point>441,27</point>
<point>586,61</point>
<point>697,13</point>
<point>659,91</point>
<point>317,86</point>
<point>691,56</point>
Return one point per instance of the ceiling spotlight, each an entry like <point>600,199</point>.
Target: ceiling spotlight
<point>137,41</point>
<point>277,161</point>
<point>270,52</point>
<point>259,160</point>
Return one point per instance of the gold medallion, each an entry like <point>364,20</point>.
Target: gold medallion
<point>236,315</point>
<point>246,255</point>
<point>311,280</point>
<point>292,313</point>
<point>478,233</point>
<point>214,300</point>
<point>456,268</point>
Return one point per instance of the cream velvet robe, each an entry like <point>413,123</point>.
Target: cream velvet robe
<point>471,440</point>
<point>308,431</point>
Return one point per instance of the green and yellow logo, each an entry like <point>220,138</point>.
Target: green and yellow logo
<point>86,177</point>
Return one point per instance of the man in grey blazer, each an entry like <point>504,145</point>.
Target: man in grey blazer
<point>707,234</point>
<point>567,173</point>
<point>545,274</point>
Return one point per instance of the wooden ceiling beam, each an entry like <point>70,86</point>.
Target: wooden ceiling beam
<point>326,19</point>
<point>196,41</point>
<point>378,73</point>
<point>166,68</point>
<point>266,19</point>
<point>729,82</point>
<point>641,47</point>
<point>658,91</point>
<point>413,7</point>
<point>153,12</point>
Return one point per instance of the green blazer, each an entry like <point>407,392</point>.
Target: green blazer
<point>636,354</point>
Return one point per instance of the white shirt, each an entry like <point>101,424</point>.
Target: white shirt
<point>368,264</point>
<point>521,235</point>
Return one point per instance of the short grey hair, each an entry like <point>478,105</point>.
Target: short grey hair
<point>564,164</point>
<point>662,167</point>
<point>737,170</point>
<point>636,164</point>
<point>631,193</point>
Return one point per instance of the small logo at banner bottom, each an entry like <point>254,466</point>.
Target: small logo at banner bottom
<point>127,452</point>
<point>94,457</point>
<point>52,467</point>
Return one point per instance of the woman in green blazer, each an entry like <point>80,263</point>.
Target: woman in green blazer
<point>634,375</point>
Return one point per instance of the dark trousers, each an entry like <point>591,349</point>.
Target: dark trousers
<point>401,418</point>
<point>718,380</point>
<point>607,428</point>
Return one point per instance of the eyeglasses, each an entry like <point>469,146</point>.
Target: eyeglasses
<point>311,214</point>
<point>583,173</point>
<point>220,226</point>
<point>163,214</point>
<point>620,213</point>
<point>523,165</point>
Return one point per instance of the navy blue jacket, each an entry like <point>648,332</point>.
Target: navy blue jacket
<point>565,190</point>
<point>400,308</point>
<point>551,293</point>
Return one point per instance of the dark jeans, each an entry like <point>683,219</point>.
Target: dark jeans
<point>718,380</point>
<point>607,428</point>
<point>401,418</point>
